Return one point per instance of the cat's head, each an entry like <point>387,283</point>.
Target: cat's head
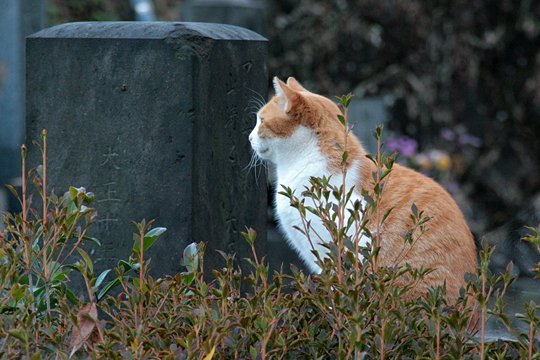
<point>293,120</point>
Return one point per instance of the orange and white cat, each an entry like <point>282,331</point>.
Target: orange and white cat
<point>298,131</point>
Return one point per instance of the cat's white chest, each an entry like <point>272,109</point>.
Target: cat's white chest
<point>289,217</point>
<point>297,177</point>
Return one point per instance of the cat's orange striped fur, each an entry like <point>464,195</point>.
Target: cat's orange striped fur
<point>298,131</point>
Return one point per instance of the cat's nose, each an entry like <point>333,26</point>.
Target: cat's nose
<point>250,137</point>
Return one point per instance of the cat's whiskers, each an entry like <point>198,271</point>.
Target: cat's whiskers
<point>255,164</point>
<point>258,99</point>
<point>254,105</point>
<point>251,162</point>
<point>260,165</point>
<point>264,166</point>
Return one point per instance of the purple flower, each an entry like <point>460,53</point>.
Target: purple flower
<point>451,186</point>
<point>467,139</point>
<point>448,134</point>
<point>404,145</point>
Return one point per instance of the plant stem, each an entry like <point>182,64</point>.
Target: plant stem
<point>438,340</point>
<point>263,278</point>
<point>141,263</point>
<point>26,240</point>
<point>483,318</point>
<point>27,344</point>
<point>343,204</point>
<point>531,339</point>
<point>357,252</point>
<point>88,288</point>
<point>378,201</point>
<point>383,329</point>
<point>267,338</point>
<point>46,269</point>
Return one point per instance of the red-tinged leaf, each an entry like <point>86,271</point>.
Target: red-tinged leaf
<point>12,190</point>
<point>87,320</point>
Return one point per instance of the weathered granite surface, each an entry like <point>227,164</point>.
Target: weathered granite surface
<point>18,18</point>
<point>154,119</point>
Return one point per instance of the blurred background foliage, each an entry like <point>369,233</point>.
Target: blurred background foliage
<point>61,11</point>
<point>468,67</point>
<point>463,76</point>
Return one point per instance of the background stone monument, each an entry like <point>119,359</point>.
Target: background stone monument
<point>18,18</point>
<point>365,114</point>
<point>251,14</point>
<point>154,119</point>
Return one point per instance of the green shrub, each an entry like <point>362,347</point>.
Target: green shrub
<point>353,309</point>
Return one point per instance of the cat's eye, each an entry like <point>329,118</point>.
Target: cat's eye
<point>262,119</point>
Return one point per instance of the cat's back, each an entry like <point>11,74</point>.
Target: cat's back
<point>445,243</point>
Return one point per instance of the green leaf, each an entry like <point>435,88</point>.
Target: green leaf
<point>149,239</point>
<point>101,277</point>
<point>88,198</point>
<point>77,266</point>
<point>371,158</point>
<point>414,210</point>
<point>188,278</point>
<point>137,283</point>
<point>18,334</point>
<point>370,201</point>
<point>59,276</point>
<point>344,158</point>
<point>385,173</point>
<point>155,231</point>
<point>127,265</point>
<point>249,236</point>
<point>378,131</point>
<point>17,291</point>
<point>92,239</point>
<point>71,297</point>
<point>87,260</point>
<point>12,190</point>
<point>253,352</point>
<point>38,291</point>
<point>111,285</point>
<point>345,100</point>
<point>387,212</point>
<point>73,192</point>
<point>191,257</point>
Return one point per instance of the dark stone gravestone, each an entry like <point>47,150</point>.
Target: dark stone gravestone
<point>365,113</point>
<point>154,119</point>
<point>18,18</point>
<point>251,14</point>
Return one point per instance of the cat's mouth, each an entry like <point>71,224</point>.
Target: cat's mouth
<point>264,151</point>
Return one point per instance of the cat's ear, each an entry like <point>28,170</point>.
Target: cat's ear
<point>294,84</point>
<point>286,95</point>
